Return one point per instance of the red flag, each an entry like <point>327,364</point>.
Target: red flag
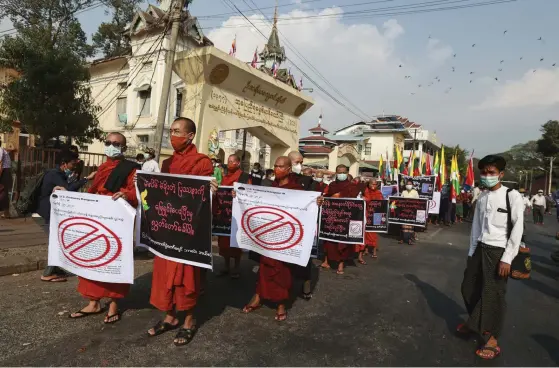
<point>469,179</point>
<point>254,58</point>
<point>428,165</point>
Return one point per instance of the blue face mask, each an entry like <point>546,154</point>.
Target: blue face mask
<point>489,181</point>
<point>112,151</point>
<point>68,172</point>
<point>341,177</point>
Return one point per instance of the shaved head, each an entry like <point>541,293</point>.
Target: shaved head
<point>319,174</point>
<point>307,171</point>
<point>296,157</point>
<point>184,125</point>
<point>283,161</point>
<point>117,137</point>
<point>234,158</point>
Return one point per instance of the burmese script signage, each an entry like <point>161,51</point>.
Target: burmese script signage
<point>255,89</point>
<point>222,211</point>
<point>377,216</point>
<point>342,220</point>
<point>176,217</point>
<point>249,110</point>
<point>407,211</point>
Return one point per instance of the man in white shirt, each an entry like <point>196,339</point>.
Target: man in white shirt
<point>150,165</point>
<point>496,235</point>
<point>538,205</point>
<point>408,235</point>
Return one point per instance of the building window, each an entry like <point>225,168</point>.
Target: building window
<point>145,102</point>
<point>239,134</point>
<point>368,149</point>
<point>121,110</point>
<point>221,135</point>
<point>359,148</point>
<point>408,146</point>
<point>143,139</point>
<point>178,104</point>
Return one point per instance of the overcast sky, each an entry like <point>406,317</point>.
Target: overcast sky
<point>358,50</point>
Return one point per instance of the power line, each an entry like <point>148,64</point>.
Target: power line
<point>303,72</point>
<point>313,68</point>
<point>358,15</point>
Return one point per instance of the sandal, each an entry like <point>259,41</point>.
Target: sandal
<point>186,334</point>
<point>339,272</point>
<point>374,256</point>
<point>496,352</point>
<point>250,308</point>
<point>162,327</point>
<point>84,314</point>
<point>362,262</point>
<point>56,279</point>
<point>280,317</point>
<point>108,318</point>
<point>325,267</point>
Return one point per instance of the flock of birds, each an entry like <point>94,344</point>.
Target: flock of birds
<point>453,69</point>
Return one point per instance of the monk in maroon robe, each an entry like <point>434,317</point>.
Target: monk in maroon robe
<point>371,193</point>
<point>342,187</point>
<point>176,286</point>
<point>274,277</point>
<point>233,176</point>
<point>115,146</point>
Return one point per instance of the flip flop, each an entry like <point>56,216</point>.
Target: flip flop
<point>162,327</point>
<point>362,262</point>
<point>85,314</point>
<point>56,279</point>
<point>108,318</point>
<point>187,334</point>
<point>374,257</point>
<point>250,308</point>
<point>280,317</point>
<point>339,272</point>
<point>325,267</point>
<point>496,352</point>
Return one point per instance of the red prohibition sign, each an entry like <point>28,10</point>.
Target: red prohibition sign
<point>432,204</point>
<point>257,222</point>
<point>89,231</point>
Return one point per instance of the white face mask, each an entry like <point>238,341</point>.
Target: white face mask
<point>409,187</point>
<point>318,180</point>
<point>297,168</point>
<point>341,177</point>
<point>112,151</point>
<point>273,177</point>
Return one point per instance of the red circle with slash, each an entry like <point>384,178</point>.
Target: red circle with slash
<point>261,223</point>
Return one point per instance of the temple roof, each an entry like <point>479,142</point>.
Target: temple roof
<point>318,129</point>
<point>273,50</point>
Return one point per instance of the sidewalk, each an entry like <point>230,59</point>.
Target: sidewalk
<point>23,246</point>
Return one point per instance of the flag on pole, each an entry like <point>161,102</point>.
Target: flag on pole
<point>275,69</point>
<point>454,178</point>
<point>396,164</point>
<point>254,58</point>
<point>428,165</point>
<point>388,169</point>
<point>469,179</point>
<point>380,167</point>
<point>401,166</point>
<point>422,164</point>
<point>233,50</point>
<point>437,165</point>
<point>442,171</point>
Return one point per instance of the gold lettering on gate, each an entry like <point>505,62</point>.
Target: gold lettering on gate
<point>257,90</point>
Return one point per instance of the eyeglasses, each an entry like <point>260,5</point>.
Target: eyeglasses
<point>114,144</point>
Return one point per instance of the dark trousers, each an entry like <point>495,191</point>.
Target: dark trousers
<point>484,291</point>
<point>538,213</point>
<point>49,270</point>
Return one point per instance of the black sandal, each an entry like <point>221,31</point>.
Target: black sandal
<point>108,318</point>
<point>85,314</point>
<point>162,327</point>
<point>307,296</point>
<point>187,334</point>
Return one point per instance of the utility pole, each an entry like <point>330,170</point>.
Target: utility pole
<point>175,17</point>
<point>550,173</point>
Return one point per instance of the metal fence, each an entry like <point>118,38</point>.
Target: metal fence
<point>34,160</point>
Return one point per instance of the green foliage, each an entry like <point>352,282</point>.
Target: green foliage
<point>112,38</point>
<point>51,98</point>
<point>462,155</point>
<point>548,144</point>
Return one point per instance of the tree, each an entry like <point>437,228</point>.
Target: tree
<point>463,157</point>
<point>548,144</point>
<point>111,38</point>
<point>51,97</point>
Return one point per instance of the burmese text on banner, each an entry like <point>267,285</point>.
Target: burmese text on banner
<point>342,220</point>
<point>176,217</point>
<point>274,222</point>
<point>92,236</point>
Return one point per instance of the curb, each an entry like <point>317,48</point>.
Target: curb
<point>19,264</point>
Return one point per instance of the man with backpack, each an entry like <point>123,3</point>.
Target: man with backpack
<point>497,228</point>
<point>53,180</point>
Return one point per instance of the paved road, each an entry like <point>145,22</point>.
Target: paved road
<point>400,310</point>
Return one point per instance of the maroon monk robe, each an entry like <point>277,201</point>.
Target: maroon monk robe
<point>95,290</point>
<point>274,277</point>
<point>224,242</point>
<point>175,283</point>
<point>339,252</point>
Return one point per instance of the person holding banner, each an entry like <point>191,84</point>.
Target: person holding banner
<point>371,238</point>
<point>234,175</point>
<point>408,234</point>
<point>115,178</point>
<point>319,185</point>
<point>343,187</point>
<point>274,277</point>
<point>176,286</point>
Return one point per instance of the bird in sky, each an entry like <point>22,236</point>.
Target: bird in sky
<point>419,85</point>
<point>399,66</point>
<point>539,39</point>
<point>502,61</point>
<point>505,32</point>
<point>429,36</point>
<point>521,57</point>
<point>412,93</point>
<point>437,77</point>
<point>553,64</point>
<point>500,70</point>
<point>534,71</point>
<point>453,69</point>
<point>474,45</point>
<point>497,79</point>
<point>541,59</point>
<point>471,72</point>
<point>454,55</point>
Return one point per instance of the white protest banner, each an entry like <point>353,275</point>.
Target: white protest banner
<point>92,236</point>
<point>274,222</point>
<point>435,203</point>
